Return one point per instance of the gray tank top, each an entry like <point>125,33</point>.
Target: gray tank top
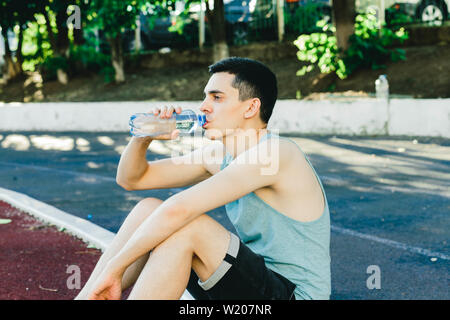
<point>300,251</point>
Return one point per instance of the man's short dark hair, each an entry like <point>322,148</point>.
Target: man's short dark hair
<point>253,80</point>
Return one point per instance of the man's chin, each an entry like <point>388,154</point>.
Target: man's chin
<point>213,134</point>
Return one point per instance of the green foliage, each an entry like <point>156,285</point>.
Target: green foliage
<point>398,18</point>
<point>108,73</point>
<point>14,12</point>
<point>87,58</point>
<point>318,49</point>
<point>369,48</point>
<point>51,65</point>
<point>304,19</point>
<point>82,59</point>
<point>36,47</point>
<point>113,16</point>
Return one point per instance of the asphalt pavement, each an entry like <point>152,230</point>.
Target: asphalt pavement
<point>389,200</point>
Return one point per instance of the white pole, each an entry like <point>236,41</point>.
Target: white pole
<point>97,40</point>
<point>280,18</point>
<point>2,50</point>
<point>137,34</point>
<point>201,26</point>
<point>382,17</point>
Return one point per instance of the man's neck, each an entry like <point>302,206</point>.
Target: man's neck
<point>242,140</point>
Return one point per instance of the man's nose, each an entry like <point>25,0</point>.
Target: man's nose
<point>204,107</point>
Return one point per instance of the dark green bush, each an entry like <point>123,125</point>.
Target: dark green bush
<point>50,65</point>
<point>369,48</point>
<point>88,58</point>
<point>305,17</point>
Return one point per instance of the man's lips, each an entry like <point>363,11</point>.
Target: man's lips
<point>206,123</point>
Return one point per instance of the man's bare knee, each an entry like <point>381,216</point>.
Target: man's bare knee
<point>150,203</point>
<point>140,212</point>
<point>146,206</point>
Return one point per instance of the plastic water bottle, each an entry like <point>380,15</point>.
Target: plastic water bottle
<point>149,125</point>
<point>382,87</point>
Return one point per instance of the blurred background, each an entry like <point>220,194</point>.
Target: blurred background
<point>81,50</point>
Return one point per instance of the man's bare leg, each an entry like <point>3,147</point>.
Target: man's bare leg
<point>200,245</point>
<point>139,213</point>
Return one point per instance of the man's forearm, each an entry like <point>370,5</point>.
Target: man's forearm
<point>133,162</point>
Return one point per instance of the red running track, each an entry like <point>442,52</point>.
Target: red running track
<point>34,258</point>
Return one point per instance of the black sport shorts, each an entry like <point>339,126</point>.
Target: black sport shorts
<point>242,275</point>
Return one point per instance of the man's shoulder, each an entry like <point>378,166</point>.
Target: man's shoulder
<point>281,148</point>
<point>289,159</point>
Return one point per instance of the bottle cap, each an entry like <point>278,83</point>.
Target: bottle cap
<point>201,120</point>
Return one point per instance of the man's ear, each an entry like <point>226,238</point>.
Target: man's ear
<point>253,106</point>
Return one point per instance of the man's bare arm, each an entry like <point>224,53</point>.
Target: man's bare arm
<point>133,163</point>
<point>233,182</point>
<point>136,173</point>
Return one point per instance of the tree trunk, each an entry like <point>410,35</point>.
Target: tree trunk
<point>10,68</point>
<point>51,35</point>
<point>19,56</point>
<point>117,58</point>
<point>220,51</point>
<point>78,38</point>
<point>216,19</point>
<point>137,35</point>
<point>62,43</point>
<point>280,20</point>
<point>62,38</point>
<point>344,21</point>
<point>59,42</point>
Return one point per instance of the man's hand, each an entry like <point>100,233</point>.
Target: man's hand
<point>107,287</point>
<point>166,113</point>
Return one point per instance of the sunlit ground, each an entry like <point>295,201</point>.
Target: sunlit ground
<point>20,142</point>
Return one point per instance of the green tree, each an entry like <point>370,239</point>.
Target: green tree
<point>217,27</point>
<point>15,14</point>
<point>59,41</point>
<point>113,17</point>
<point>368,48</point>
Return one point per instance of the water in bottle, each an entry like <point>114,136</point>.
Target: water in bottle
<point>149,125</point>
<point>382,88</point>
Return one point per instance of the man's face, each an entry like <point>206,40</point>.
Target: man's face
<point>221,106</point>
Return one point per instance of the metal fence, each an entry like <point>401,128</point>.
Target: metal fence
<point>299,17</point>
<point>256,20</point>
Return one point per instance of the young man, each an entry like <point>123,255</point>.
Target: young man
<point>280,212</point>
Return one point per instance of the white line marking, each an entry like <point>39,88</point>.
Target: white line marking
<point>391,243</point>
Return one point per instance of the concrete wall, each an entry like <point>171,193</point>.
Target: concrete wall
<point>416,117</point>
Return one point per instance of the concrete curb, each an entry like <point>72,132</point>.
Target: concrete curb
<point>78,227</point>
<point>349,116</point>
<point>81,228</point>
